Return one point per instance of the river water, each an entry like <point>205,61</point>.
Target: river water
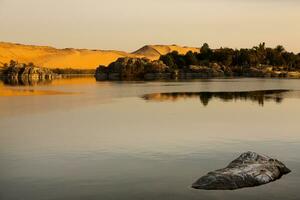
<point>81,139</point>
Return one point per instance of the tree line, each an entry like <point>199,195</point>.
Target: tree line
<point>258,56</point>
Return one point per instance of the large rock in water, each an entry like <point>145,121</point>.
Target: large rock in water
<point>124,68</point>
<point>29,71</point>
<point>248,170</point>
<point>22,74</point>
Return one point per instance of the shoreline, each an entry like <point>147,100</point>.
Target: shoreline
<point>154,77</point>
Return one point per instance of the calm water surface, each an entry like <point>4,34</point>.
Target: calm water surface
<point>82,139</point>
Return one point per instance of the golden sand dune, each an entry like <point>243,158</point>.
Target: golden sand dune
<point>153,52</point>
<point>57,58</point>
<point>50,57</point>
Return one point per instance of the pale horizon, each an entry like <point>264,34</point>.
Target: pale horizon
<point>130,24</point>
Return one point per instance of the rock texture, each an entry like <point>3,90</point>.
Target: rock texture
<point>31,71</point>
<point>248,170</point>
<point>22,74</point>
<point>133,68</point>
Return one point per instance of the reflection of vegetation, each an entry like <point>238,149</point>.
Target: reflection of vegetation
<point>256,96</point>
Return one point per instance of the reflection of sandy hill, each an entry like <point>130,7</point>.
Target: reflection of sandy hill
<point>76,58</point>
<point>155,51</point>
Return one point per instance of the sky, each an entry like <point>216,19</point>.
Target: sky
<point>129,24</point>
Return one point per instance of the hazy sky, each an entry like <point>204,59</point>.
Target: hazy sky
<point>130,24</point>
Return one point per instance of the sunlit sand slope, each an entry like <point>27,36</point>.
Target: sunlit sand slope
<point>77,58</point>
<point>57,58</point>
<point>155,51</point>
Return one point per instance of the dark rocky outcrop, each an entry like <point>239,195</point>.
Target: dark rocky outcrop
<point>133,68</point>
<point>22,74</point>
<point>143,68</point>
<point>248,170</point>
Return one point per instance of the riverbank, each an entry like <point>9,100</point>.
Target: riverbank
<point>144,69</point>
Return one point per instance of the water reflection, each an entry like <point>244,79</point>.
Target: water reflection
<point>260,96</point>
<point>25,80</point>
<point>26,86</point>
<point>59,80</point>
<point>108,143</point>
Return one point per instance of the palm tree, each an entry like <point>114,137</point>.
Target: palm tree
<point>279,48</point>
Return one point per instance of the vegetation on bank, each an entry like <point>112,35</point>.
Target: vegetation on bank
<point>259,56</point>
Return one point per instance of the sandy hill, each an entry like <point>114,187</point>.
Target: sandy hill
<point>77,58</point>
<point>57,58</point>
<point>155,51</point>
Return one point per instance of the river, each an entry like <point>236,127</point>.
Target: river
<point>81,139</point>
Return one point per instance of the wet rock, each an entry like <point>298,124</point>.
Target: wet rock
<point>248,170</point>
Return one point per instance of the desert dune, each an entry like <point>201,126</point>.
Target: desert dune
<point>51,57</point>
<point>153,52</point>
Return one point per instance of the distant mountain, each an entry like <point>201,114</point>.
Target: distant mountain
<point>51,57</point>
